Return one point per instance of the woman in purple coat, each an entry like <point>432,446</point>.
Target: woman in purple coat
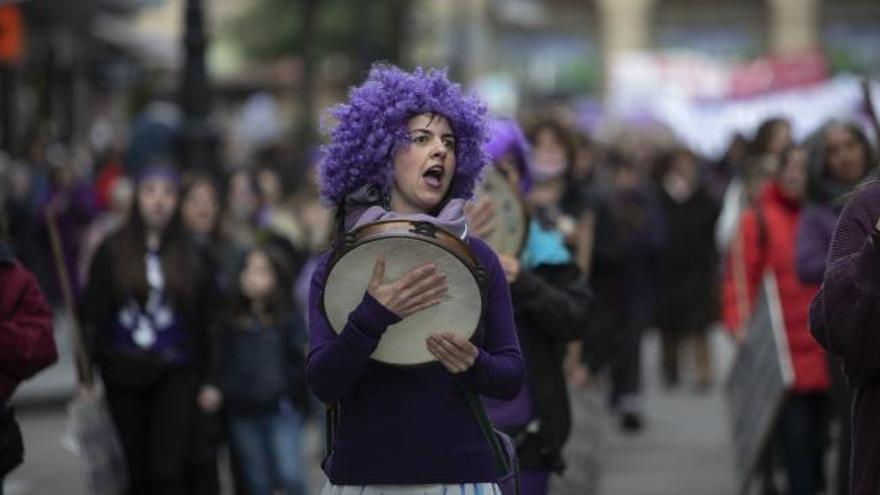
<point>839,158</point>
<point>408,145</point>
<point>845,319</point>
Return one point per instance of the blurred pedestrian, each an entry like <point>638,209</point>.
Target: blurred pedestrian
<point>772,137</point>
<point>767,241</point>
<point>630,233</point>
<point>687,285</point>
<point>70,203</point>
<point>242,207</point>
<point>844,318</point>
<point>840,158</point>
<point>580,201</point>
<point>263,376</point>
<point>27,344</point>
<point>119,199</point>
<point>202,212</point>
<point>757,168</point>
<point>550,299</point>
<point>147,311</point>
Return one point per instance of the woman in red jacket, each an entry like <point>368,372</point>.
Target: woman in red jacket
<point>767,241</point>
<point>26,341</point>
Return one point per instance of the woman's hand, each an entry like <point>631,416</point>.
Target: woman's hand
<point>455,352</point>
<point>481,218</point>
<point>210,398</point>
<point>421,288</point>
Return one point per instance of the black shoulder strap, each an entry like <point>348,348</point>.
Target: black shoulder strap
<point>482,418</point>
<point>331,417</point>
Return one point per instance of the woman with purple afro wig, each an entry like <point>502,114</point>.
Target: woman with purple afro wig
<point>409,146</point>
<point>372,126</point>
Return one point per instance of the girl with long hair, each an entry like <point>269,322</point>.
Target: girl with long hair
<point>147,314</point>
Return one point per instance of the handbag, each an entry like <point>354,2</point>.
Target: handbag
<point>91,435</point>
<point>503,448</point>
<point>11,443</point>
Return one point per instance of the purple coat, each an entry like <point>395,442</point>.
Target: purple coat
<point>410,425</point>
<point>815,228</point>
<point>845,319</point>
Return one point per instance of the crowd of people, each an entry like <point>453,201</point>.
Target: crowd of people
<point>200,297</point>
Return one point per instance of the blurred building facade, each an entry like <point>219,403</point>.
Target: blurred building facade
<point>567,46</point>
<point>107,57</point>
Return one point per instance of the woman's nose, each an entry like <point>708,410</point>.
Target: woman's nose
<point>440,149</point>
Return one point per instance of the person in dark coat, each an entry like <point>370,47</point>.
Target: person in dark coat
<point>839,159</point>
<point>550,299</point>
<point>27,344</point>
<point>147,311</point>
<point>630,233</point>
<point>687,292</point>
<point>844,319</point>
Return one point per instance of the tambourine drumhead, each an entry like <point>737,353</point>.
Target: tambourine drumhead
<point>404,343</point>
<point>510,217</point>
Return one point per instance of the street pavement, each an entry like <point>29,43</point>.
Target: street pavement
<point>685,448</point>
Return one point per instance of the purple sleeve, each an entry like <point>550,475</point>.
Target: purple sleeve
<point>811,249</point>
<point>335,362</point>
<point>845,314</point>
<point>498,371</point>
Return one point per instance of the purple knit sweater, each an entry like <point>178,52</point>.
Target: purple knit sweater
<point>845,319</point>
<point>411,425</point>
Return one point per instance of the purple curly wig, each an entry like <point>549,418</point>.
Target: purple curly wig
<point>372,125</point>
<point>506,136</point>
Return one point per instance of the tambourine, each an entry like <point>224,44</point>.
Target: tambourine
<point>511,221</point>
<point>406,244</point>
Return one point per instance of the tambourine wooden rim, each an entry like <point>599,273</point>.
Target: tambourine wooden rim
<point>418,231</point>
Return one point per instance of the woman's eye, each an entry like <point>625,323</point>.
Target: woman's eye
<point>449,143</point>
<point>420,139</point>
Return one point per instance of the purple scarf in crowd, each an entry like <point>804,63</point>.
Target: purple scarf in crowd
<point>365,205</point>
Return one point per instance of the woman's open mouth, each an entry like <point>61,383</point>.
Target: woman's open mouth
<point>434,176</point>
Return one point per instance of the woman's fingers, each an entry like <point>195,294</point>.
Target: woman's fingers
<point>449,353</point>
<point>445,359</point>
<point>426,299</point>
<point>415,276</point>
<point>378,272</point>
<point>465,346</point>
<point>421,307</point>
<point>416,292</point>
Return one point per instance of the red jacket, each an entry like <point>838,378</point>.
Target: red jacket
<point>778,254</point>
<point>27,344</point>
